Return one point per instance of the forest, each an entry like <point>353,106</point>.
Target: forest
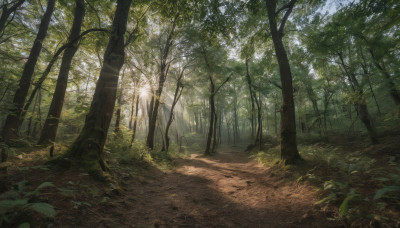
<point>200,113</point>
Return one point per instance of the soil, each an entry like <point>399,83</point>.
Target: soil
<point>225,190</point>
<point>228,189</point>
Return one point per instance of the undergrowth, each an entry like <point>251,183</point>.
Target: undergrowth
<point>121,151</point>
<point>364,189</point>
<point>17,203</point>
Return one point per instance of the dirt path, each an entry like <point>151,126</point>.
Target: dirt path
<point>226,190</point>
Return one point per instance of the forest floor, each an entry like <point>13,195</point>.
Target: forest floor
<point>225,190</point>
<point>228,189</point>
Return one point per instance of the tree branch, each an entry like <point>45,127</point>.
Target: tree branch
<point>286,16</point>
<point>226,80</point>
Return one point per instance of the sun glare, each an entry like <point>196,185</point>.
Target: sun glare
<point>144,91</point>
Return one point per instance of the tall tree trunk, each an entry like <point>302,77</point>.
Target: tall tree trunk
<point>135,121</point>
<point>258,103</point>
<point>117,129</point>
<point>50,127</point>
<point>132,109</point>
<point>249,83</point>
<point>214,141</point>
<point>289,152</point>
<point>235,119</point>
<point>360,105</point>
<point>28,131</point>
<point>212,116</point>
<point>177,95</point>
<point>366,73</point>
<point>12,121</point>
<point>164,67</point>
<point>275,120</point>
<point>87,150</point>
<point>394,94</point>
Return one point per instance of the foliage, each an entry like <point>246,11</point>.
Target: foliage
<point>391,188</point>
<point>18,201</point>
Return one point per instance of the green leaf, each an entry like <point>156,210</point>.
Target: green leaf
<point>344,207</point>
<point>7,204</point>
<point>24,225</point>
<point>44,185</point>
<point>385,190</point>
<point>330,197</point>
<point>43,208</point>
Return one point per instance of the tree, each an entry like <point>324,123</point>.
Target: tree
<point>87,150</point>
<point>10,128</point>
<point>49,131</point>
<point>289,152</point>
<point>163,72</point>
<point>177,95</point>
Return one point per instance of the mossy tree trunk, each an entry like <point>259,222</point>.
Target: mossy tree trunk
<point>10,128</point>
<point>87,150</point>
<point>49,131</point>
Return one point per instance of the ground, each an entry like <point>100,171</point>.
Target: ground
<point>228,189</point>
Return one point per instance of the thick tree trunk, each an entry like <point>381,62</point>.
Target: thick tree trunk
<point>289,152</point>
<point>50,127</point>
<point>12,121</point>
<point>87,150</point>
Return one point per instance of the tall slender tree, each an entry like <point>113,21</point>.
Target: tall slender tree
<point>164,68</point>
<point>289,152</point>
<point>50,127</point>
<point>10,128</point>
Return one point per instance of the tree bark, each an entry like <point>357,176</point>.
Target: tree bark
<point>12,121</point>
<point>87,150</point>
<point>289,152</point>
<point>49,131</point>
